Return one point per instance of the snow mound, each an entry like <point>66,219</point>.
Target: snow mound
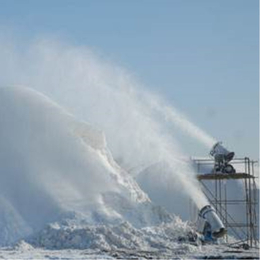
<point>109,238</point>
<point>54,166</point>
<point>23,246</point>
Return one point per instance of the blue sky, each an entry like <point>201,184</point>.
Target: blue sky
<point>202,55</point>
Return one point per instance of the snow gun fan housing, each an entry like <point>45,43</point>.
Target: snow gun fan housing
<point>222,158</point>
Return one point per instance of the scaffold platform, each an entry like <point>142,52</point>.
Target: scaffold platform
<point>224,176</point>
<point>214,186</point>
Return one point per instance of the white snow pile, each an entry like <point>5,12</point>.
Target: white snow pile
<point>61,188</point>
<point>123,236</point>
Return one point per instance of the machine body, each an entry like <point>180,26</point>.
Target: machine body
<point>222,158</point>
<point>210,225</point>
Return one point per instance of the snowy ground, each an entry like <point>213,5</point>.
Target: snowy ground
<point>205,252</point>
<point>23,250</point>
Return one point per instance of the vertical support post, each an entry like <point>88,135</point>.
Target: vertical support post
<point>247,210</point>
<point>225,201</point>
<point>216,194</point>
<point>220,202</point>
<point>251,225</point>
<point>254,204</point>
<point>254,213</point>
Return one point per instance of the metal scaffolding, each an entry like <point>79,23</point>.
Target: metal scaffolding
<point>214,186</point>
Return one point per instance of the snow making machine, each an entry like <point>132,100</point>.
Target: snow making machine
<point>209,225</point>
<point>222,158</point>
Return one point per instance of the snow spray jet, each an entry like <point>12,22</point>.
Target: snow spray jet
<point>106,96</point>
<point>171,115</point>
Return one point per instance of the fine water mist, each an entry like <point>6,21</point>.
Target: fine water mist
<point>137,125</point>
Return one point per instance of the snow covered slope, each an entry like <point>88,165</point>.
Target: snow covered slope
<point>53,167</point>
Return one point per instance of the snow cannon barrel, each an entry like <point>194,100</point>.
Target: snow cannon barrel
<point>217,227</point>
<point>221,154</point>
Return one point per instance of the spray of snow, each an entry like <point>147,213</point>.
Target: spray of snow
<point>51,164</point>
<point>108,97</point>
<point>173,116</point>
<point>137,128</point>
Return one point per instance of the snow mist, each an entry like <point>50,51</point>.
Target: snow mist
<point>136,124</point>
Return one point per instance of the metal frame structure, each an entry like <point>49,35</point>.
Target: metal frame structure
<point>247,231</point>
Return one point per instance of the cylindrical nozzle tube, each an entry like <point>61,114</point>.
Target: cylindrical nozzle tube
<point>217,227</point>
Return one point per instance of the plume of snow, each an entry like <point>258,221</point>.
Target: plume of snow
<point>137,125</point>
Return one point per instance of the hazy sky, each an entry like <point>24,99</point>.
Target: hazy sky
<point>202,55</point>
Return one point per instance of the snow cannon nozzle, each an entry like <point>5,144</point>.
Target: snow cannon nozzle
<point>209,224</point>
<point>220,153</point>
